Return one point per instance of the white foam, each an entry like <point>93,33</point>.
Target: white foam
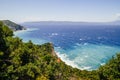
<point>85,44</point>
<point>20,31</point>
<point>102,64</point>
<point>54,34</point>
<point>86,68</point>
<point>80,39</point>
<point>88,57</point>
<point>77,44</point>
<point>67,61</point>
<point>72,63</point>
<point>23,31</point>
<point>81,59</point>
<point>59,47</point>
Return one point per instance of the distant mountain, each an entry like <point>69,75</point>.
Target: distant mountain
<point>70,23</point>
<point>53,23</point>
<point>13,25</point>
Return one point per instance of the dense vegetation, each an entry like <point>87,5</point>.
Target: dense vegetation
<point>13,25</point>
<point>27,61</point>
<point>111,70</point>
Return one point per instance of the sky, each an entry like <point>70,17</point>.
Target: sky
<point>60,10</point>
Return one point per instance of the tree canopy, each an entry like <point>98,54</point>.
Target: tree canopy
<point>27,61</point>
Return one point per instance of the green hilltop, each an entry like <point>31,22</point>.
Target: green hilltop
<point>27,61</point>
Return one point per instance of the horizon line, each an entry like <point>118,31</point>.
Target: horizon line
<point>61,21</point>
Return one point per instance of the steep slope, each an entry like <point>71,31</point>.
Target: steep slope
<point>13,25</point>
<point>27,61</point>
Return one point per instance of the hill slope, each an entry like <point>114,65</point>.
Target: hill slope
<point>27,61</point>
<point>13,25</point>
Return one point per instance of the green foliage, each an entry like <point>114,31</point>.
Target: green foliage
<point>27,61</point>
<point>5,31</point>
<point>42,77</point>
<point>111,70</point>
<point>13,25</point>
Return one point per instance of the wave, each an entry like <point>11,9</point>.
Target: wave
<point>65,58</point>
<point>54,34</point>
<point>23,31</point>
<point>87,56</point>
<point>83,50</point>
<point>72,63</point>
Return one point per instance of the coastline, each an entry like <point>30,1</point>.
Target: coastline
<point>24,30</point>
<point>65,57</point>
<point>67,61</point>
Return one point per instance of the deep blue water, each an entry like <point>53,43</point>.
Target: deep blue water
<point>84,47</point>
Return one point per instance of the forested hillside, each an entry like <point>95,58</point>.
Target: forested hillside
<point>27,61</point>
<point>13,26</point>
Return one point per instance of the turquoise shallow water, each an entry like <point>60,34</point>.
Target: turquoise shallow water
<point>81,47</point>
<point>89,56</point>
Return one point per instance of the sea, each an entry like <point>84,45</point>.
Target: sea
<point>86,47</point>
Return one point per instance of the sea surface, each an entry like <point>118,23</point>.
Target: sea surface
<point>81,46</point>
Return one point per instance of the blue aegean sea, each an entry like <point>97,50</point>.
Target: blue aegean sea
<point>85,47</point>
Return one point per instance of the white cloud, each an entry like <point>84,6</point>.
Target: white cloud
<point>118,15</point>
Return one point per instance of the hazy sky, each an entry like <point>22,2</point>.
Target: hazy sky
<point>60,10</point>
